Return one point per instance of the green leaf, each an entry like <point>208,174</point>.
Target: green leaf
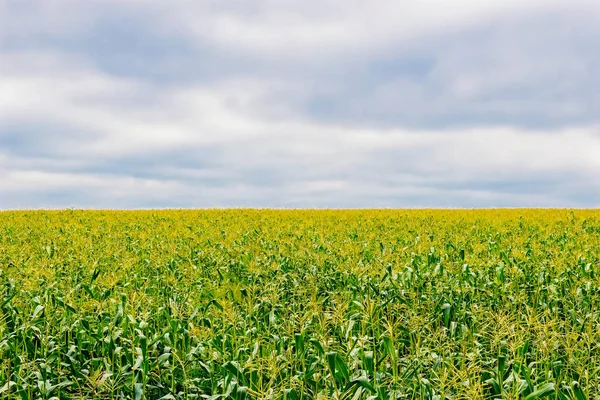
<point>542,391</point>
<point>299,338</point>
<point>317,345</point>
<point>290,394</point>
<point>446,311</point>
<point>37,311</point>
<point>368,363</point>
<point>342,368</point>
<point>163,358</point>
<point>7,387</point>
<point>242,393</point>
<point>331,356</point>
<point>579,394</point>
<point>363,382</point>
<point>138,391</point>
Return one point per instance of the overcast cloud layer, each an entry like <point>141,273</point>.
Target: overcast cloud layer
<point>299,103</point>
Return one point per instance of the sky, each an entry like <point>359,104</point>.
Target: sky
<point>299,103</point>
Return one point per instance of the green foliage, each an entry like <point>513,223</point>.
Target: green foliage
<point>263,304</point>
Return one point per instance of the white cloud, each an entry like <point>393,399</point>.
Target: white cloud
<point>303,163</point>
<point>276,27</point>
<point>304,28</point>
<point>73,134</point>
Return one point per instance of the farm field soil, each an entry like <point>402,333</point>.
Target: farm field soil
<point>298,304</point>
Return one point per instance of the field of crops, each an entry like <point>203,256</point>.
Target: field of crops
<point>265,304</point>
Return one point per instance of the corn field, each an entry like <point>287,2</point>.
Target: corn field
<point>298,304</point>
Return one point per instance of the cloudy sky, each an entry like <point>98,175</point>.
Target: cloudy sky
<point>299,103</point>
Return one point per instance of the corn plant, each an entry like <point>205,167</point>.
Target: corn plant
<point>330,304</point>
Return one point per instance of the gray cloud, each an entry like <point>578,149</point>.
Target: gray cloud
<point>287,104</point>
